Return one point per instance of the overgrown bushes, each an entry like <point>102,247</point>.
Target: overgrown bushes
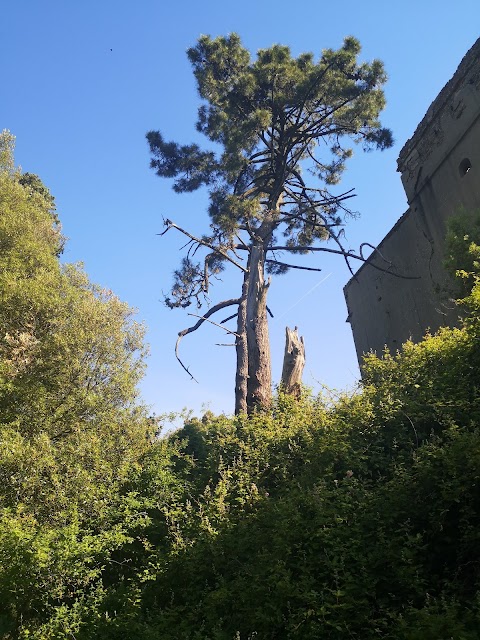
<point>357,518</point>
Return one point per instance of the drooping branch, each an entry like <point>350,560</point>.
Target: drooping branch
<point>202,319</point>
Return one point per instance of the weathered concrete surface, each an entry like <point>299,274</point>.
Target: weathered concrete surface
<point>440,167</point>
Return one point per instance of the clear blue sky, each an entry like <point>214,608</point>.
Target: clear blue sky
<point>82,82</point>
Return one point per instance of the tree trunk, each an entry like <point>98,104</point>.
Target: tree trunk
<point>259,382</point>
<point>293,363</point>
<point>241,376</point>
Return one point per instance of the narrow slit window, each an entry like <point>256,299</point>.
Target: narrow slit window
<point>464,167</point>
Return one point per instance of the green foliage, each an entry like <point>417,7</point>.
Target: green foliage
<point>359,519</point>
<point>71,430</point>
<point>462,248</point>
<point>271,119</point>
<point>356,517</point>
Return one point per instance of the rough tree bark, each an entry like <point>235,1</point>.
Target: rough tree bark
<point>270,115</point>
<point>259,381</point>
<point>293,363</point>
<point>241,376</point>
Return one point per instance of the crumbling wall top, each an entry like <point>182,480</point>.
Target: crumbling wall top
<point>468,72</point>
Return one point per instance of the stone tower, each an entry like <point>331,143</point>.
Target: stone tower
<point>440,169</point>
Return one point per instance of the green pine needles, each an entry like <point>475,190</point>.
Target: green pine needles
<point>283,129</point>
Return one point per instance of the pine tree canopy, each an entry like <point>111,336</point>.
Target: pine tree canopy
<point>275,119</point>
<point>281,130</point>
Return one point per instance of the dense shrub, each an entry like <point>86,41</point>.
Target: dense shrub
<point>353,518</point>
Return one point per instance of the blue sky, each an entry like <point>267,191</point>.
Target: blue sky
<point>82,82</point>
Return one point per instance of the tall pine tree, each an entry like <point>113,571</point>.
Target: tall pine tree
<point>275,120</point>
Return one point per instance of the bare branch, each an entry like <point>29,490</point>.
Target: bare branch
<point>367,244</point>
<point>181,363</point>
<point>169,224</point>
<point>292,266</point>
<point>244,245</point>
<point>215,324</point>
<point>346,255</point>
<point>229,318</point>
<point>210,312</point>
<point>333,235</point>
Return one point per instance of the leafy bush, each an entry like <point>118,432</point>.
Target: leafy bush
<point>358,518</point>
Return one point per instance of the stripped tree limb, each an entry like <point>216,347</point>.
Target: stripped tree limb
<point>210,312</point>
<point>169,224</point>
<point>234,315</point>
<point>292,266</point>
<point>215,324</point>
<point>347,254</point>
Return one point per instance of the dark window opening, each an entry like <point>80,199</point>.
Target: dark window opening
<point>464,167</point>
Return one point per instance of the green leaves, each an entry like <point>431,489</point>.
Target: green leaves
<point>272,121</point>
<point>355,516</point>
<point>71,432</point>
<point>271,114</point>
<point>195,167</point>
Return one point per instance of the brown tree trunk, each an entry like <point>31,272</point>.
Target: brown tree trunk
<point>293,363</point>
<point>259,382</point>
<point>241,376</point>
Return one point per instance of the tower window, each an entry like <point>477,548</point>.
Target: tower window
<point>464,167</point>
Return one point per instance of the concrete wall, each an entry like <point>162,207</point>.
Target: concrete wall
<point>440,167</point>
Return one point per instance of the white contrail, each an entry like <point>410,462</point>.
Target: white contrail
<point>304,296</point>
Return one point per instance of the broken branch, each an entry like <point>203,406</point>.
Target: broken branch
<point>169,224</point>
<point>184,332</point>
<point>215,324</point>
<point>292,266</point>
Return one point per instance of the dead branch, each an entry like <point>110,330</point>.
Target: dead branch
<point>346,255</point>
<point>215,324</point>
<point>375,250</point>
<point>234,315</point>
<point>169,225</point>
<point>292,266</point>
<point>333,235</point>
<point>184,332</point>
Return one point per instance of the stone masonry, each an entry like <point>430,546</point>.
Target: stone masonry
<point>440,169</point>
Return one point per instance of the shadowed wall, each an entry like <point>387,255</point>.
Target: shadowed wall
<point>440,168</point>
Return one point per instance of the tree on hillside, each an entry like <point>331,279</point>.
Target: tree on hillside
<point>71,430</point>
<point>282,127</point>
<point>71,356</point>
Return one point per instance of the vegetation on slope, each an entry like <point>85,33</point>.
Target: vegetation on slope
<point>328,518</point>
<point>70,427</point>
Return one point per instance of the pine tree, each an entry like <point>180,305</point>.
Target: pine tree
<point>275,120</point>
